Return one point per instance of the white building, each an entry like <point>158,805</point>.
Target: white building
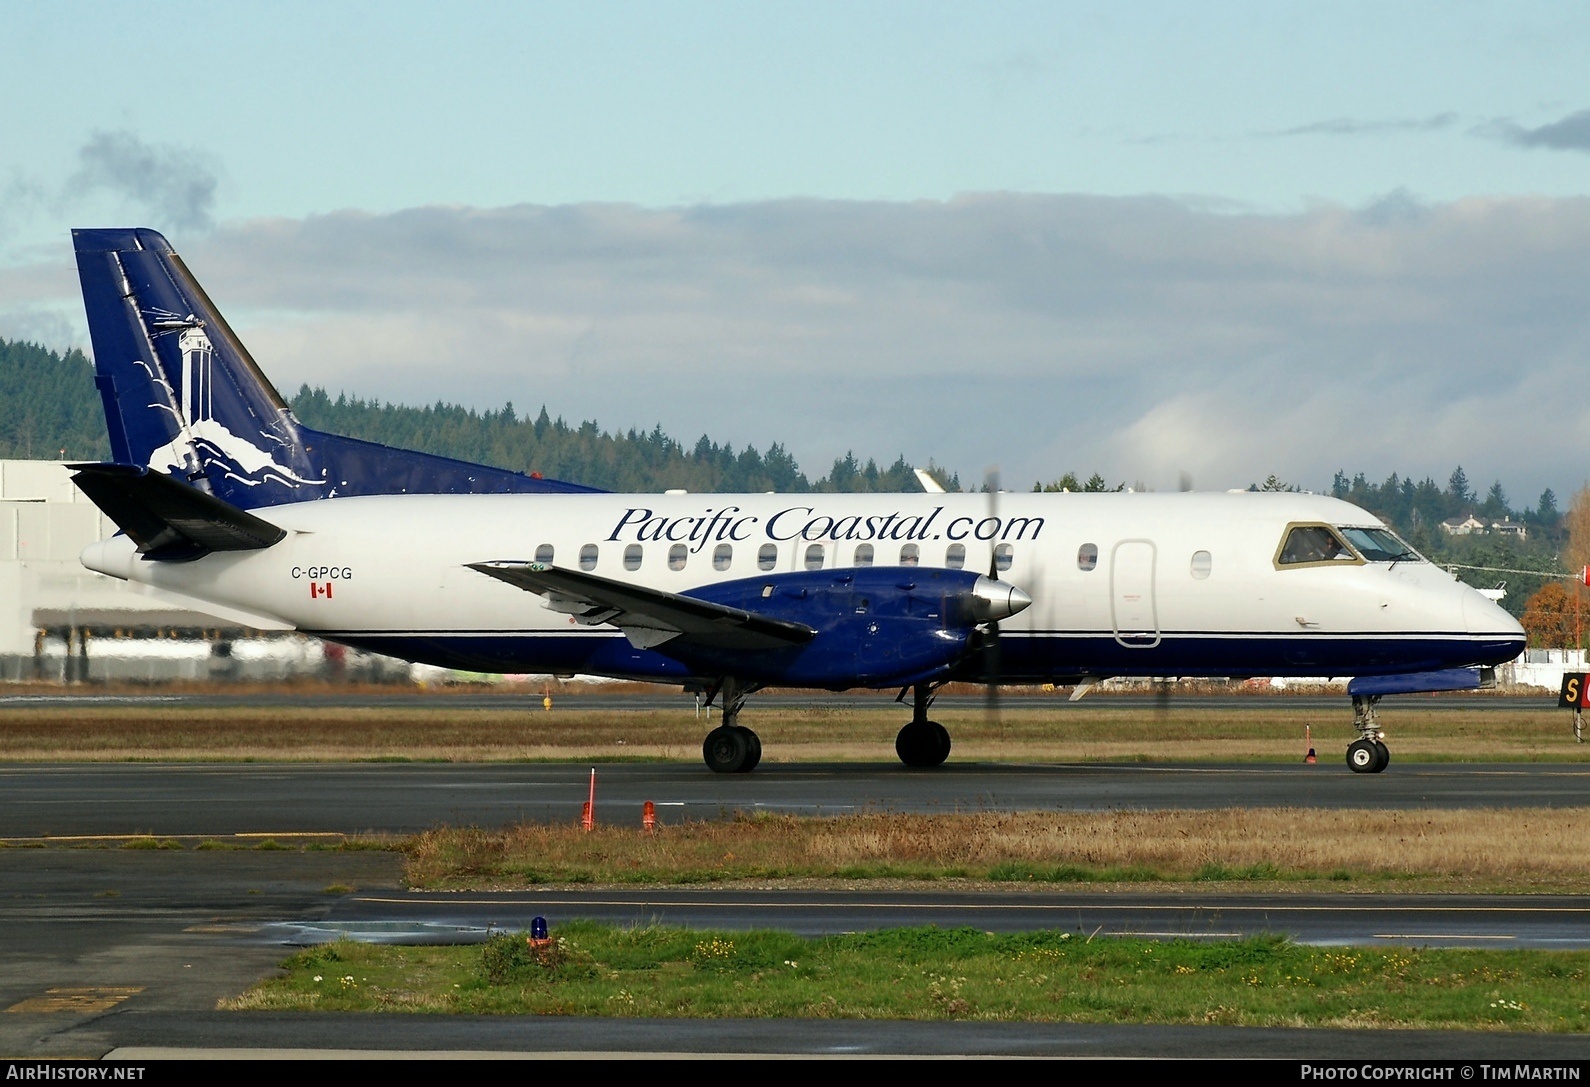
<point>60,621</point>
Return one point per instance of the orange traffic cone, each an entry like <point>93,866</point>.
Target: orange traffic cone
<point>648,817</point>
<point>1308,738</point>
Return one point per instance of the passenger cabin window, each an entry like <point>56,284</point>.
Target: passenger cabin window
<point>722,556</point>
<point>766,556</point>
<point>1309,544</point>
<point>632,557</point>
<point>1088,557</point>
<point>588,557</point>
<point>677,554</point>
<point>543,552</point>
<point>863,554</point>
<point>955,556</point>
<point>814,556</point>
<point>1201,565</point>
<point>1004,555</point>
<point>1379,545</point>
<point>910,555</point>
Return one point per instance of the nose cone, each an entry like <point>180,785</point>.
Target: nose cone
<point>1503,637</point>
<point>995,600</point>
<point>1485,617</point>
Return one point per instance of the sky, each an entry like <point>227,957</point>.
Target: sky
<point>1225,240</point>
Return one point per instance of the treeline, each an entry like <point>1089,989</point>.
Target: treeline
<point>1427,503</point>
<point>631,461</point>
<point>50,409</point>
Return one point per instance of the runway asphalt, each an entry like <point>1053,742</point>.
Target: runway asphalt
<point>55,800</point>
<point>1488,921</point>
<point>149,941</point>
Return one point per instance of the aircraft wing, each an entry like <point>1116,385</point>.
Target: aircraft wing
<point>648,617</point>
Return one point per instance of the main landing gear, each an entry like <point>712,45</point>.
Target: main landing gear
<point>731,748</point>
<point>922,743</point>
<point>1368,754</point>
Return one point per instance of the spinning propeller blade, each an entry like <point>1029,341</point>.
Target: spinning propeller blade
<point>991,674</point>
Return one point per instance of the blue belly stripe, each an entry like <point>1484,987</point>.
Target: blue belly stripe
<point>1027,657</point>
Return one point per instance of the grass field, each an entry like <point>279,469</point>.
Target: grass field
<point>1480,851</point>
<point>1029,729</point>
<point>928,973</point>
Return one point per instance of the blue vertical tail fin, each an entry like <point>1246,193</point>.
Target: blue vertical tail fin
<point>183,396</point>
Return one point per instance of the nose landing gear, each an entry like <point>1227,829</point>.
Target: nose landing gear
<point>922,743</point>
<point>1368,754</point>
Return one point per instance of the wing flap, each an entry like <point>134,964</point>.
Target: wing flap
<point>648,617</point>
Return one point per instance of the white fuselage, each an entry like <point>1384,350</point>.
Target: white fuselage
<point>1178,584</point>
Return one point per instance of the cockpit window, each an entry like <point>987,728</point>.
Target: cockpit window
<point>1307,545</point>
<point>1379,545</point>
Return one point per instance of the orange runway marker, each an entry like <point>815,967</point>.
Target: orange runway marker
<point>588,816</point>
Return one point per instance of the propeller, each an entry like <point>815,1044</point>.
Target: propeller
<point>991,673</point>
<point>1162,687</point>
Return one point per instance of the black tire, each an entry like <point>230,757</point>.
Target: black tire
<point>726,750</point>
<point>753,754</point>
<point>1385,757</point>
<point>1363,757</point>
<point>908,745</point>
<point>923,746</point>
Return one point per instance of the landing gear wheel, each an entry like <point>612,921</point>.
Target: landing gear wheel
<point>923,744</point>
<point>1365,757</point>
<point>727,751</point>
<point>753,749</point>
<point>1385,757</point>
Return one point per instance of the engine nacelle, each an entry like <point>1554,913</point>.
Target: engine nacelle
<point>876,626</point>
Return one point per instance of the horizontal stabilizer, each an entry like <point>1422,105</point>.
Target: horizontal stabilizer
<point>648,617</point>
<point>1447,679</point>
<point>169,520</point>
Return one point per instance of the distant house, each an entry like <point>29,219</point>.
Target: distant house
<point>1470,525</point>
<point>1466,525</point>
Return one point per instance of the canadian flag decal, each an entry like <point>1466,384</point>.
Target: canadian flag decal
<point>318,589</point>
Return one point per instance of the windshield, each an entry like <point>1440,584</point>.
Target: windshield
<point>1380,545</point>
<point>1309,544</point>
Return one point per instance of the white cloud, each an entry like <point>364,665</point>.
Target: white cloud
<point>1137,337</point>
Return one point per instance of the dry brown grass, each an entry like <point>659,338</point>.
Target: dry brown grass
<point>1535,849</point>
<point>1028,730</point>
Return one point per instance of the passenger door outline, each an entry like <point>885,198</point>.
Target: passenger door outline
<point>1133,608</point>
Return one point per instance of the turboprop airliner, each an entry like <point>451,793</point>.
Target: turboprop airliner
<point>225,500</point>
